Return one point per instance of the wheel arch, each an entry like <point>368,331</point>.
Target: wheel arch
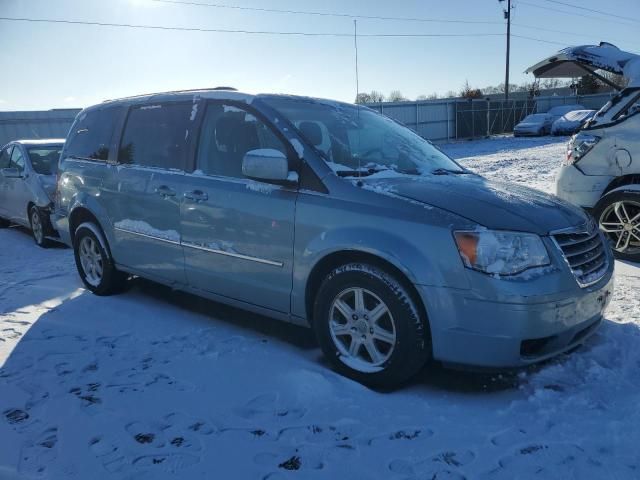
<point>619,183</point>
<point>335,259</point>
<point>80,215</point>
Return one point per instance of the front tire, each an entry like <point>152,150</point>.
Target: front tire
<point>618,216</point>
<point>39,227</point>
<point>369,326</point>
<point>94,264</point>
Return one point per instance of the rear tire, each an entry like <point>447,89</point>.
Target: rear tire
<point>3,223</point>
<point>369,326</point>
<point>94,264</point>
<point>618,216</point>
<point>39,227</point>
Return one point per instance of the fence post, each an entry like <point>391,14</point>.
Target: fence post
<point>447,114</point>
<point>417,116</point>
<point>456,117</point>
<point>488,118</point>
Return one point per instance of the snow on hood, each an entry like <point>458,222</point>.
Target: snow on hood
<point>567,63</point>
<point>495,205</point>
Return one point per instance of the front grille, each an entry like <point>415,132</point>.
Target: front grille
<point>585,253</point>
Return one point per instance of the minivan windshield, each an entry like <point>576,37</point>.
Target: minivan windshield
<point>44,160</point>
<point>356,141</point>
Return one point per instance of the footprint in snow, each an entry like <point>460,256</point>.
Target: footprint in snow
<point>38,453</point>
<point>443,465</point>
<point>401,436</point>
<point>266,406</point>
<point>170,462</point>
<point>109,454</point>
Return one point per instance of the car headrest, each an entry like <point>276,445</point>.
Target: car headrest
<point>227,129</point>
<point>312,132</point>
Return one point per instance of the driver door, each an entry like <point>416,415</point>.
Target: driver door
<point>237,233</point>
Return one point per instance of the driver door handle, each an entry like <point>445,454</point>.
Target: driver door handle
<point>196,196</point>
<point>165,191</point>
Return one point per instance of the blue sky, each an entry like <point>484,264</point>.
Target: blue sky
<point>57,66</point>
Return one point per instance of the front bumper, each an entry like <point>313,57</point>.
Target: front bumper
<point>468,329</point>
<point>579,189</point>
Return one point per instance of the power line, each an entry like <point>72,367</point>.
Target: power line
<point>324,14</point>
<point>538,40</point>
<point>269,32</point>
<point>574,14</point>
<point>254,32</point>
<point>593,10</point>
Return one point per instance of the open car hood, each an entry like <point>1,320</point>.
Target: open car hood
<point>575,62</point>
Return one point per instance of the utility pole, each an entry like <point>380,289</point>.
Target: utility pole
<point>507,16</point>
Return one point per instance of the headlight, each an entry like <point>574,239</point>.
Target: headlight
<point>501,253</point>
<point>579,146</point>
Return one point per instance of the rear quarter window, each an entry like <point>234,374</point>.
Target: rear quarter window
<point>91,134</point>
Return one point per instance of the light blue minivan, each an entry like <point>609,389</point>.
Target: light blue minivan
<point>331,216</point>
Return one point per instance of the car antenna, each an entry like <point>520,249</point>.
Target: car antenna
<point>355,45</point>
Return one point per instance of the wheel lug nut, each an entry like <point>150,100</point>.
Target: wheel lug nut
<point>355,317</point>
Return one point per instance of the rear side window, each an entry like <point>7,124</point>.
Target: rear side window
<point>5,157</point>
<point>157,136</point>
<point>91,135</point>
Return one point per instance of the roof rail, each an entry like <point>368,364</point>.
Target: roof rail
<point>231,89</point>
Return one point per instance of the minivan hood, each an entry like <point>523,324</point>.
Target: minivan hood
<point>495,205</point>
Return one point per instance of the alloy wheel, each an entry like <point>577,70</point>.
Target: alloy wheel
<point>362,327</point>
<point>91,261</point>
<point>36,226</point>
<point>621,223</point>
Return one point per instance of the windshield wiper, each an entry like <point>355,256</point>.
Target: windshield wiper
<point>448,171</point>
<point>365,172</point>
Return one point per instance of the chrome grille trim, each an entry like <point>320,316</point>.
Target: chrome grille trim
<point>584,251</point>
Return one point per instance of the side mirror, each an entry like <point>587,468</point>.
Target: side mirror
<point>11,173</point>
<point>266,164</point>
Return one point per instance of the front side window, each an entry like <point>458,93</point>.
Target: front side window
<point>5,157</point>
<point>228,133</point>
<point>358,141</point>
<point>157,136</point>
<point>17,159</point>
<point>91,136</point>
<point>44,160</point>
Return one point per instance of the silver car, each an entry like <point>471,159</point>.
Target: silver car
<point>27,185</point>
<point>332,216</point>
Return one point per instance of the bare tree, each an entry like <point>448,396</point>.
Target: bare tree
<point>396,96</point>
<point>468,92</point>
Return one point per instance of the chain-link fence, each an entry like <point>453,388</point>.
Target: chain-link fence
<point>442,120</point>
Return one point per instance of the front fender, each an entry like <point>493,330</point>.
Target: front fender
<point>424,260</point>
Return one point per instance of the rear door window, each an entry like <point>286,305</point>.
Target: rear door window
<point>5,157</point>
<point>17,159</point>
<point>157,136</point>
<point>92,134</point>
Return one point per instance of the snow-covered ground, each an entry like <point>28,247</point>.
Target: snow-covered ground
<point>154,384</point>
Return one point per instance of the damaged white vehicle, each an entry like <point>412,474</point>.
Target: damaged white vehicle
<point>601,171</point>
